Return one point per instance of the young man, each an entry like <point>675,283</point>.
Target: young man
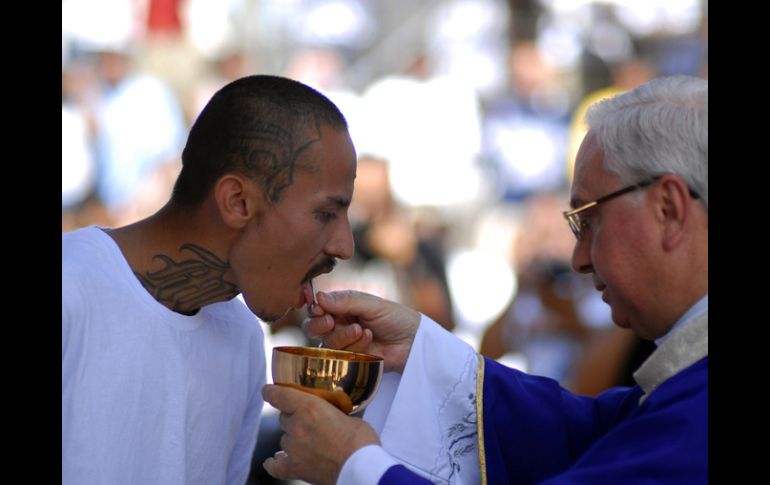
<point>640,216</point>
<point>162,366</point>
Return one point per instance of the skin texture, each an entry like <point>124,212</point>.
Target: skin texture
<point>240,241</point>
<point>282,246</point>
<point>186,284</point>
<point>647,252</point>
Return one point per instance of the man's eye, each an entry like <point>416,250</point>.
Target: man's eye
<point>585,221</point>
<point>326,216</point>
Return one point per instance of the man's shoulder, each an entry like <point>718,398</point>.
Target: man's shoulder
<point>686,391</point>
<point>83,241</point>
<point>80,248</point>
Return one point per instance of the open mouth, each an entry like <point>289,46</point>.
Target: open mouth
<point>308,291</point>
<point>325,266</point>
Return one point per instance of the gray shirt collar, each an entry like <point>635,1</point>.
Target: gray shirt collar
<point>683,348</point>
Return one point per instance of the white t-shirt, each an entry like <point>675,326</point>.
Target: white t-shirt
<point>149,395</point>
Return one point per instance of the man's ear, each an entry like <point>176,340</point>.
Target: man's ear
<point>238,200</point>
<point>673,209</point>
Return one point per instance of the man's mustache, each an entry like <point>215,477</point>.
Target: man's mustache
<point>324,266</point>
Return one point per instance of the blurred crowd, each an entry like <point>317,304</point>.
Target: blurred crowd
<point>466,115</point>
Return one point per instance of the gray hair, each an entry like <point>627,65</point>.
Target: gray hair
<point>659,127</point>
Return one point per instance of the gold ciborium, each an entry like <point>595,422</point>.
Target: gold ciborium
<point>348,380</point>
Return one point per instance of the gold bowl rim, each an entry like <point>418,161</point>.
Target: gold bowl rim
<point>324,353</point>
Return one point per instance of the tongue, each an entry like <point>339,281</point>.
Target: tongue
<point>309,294</point>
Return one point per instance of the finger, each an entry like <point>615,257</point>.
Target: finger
<point>278,466</point>
<point>284,443</point>
<point>318,326</point>
<point>284,422</point>
<point>285,399</point>
<point>315,311</point>
<point>363,343</point>
<point>343,337</point>
<point>349,302</point>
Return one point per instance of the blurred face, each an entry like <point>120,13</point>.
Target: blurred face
<point>372,195</point>
<point>301,235</point>
<point>618,247</point>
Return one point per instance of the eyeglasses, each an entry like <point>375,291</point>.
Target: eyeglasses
<point>578,224</point>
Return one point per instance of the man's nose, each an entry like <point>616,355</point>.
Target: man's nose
<point>341,245</point>
<point>581,257</point>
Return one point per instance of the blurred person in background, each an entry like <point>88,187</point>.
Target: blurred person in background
<point>78,161</point>
<point>398,256</point>
<point>230,63</point>
<point>166,45</point>
<point>624,76</point>
<point>640,217</point>
<point>525,129</point>
<point>139,136</point>
<point>555,312</point>
<point>162,365</point>
<point>81,204</point>
<point>609,359</point>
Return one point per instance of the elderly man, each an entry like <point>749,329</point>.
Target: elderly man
<point>162,366</point>
<point>447,415</point>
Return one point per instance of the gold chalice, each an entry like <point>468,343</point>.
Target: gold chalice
<point>348,380</point>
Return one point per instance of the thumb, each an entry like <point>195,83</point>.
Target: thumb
<point>283,398</point>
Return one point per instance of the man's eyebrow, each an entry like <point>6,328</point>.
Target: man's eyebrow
<point>339,201</point>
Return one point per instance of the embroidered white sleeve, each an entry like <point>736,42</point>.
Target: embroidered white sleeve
<point>366,466</point>
<point>430,425</point>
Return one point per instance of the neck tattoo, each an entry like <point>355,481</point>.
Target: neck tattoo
<point>185,286</point>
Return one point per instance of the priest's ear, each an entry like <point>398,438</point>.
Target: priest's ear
<point>238,200</point>
<point>673,209</point>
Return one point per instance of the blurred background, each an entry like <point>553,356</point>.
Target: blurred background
<point>466,115</point>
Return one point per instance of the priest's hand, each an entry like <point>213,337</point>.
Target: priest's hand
<point>360,322</point>
<point>318,438</point>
